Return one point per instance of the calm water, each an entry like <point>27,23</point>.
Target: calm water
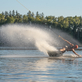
<point>35,66</point>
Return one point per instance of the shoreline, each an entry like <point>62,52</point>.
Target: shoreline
<point>25,48</point>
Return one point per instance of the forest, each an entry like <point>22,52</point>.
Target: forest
<point>71,25</point>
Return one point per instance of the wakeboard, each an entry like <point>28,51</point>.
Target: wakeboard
<point>58,54</point>
<point>55,53</point>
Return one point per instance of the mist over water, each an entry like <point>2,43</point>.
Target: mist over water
<point>28,36</point>
<point>43,38</point>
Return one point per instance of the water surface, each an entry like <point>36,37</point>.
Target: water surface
<point>36,66</point>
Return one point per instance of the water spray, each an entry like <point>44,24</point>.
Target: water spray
<point>27,36</point>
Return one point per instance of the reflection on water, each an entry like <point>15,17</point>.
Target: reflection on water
<point>39,69</point>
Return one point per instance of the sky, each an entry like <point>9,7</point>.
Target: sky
<point>48,7</point>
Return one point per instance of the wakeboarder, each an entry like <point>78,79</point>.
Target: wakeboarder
<point>60,52</point>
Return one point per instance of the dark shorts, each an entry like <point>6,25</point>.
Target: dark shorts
<point>55,53</point>
<point>69,48</point>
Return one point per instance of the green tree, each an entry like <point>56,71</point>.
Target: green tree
<point>29,16</point>
<point>76,20</point>
<point>49,20</point>
<point>18,18</point>
<point>32,18</point>
<point>25,19</point>
<point>38,20</point>
<point>17,14</point>
<point>10,19</point>
<point>32,14</point>
<point>10,13</point>
<point>2,19</point>
<point>13,13</point>
<point>60,19</point>
<point>37,14</point>
<point>6,14</point>
<point>3,13</point>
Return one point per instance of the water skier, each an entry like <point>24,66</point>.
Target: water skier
<point>60,52</point>
<point>72,47</point>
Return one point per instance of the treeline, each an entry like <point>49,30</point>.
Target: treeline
<point>72,25</point>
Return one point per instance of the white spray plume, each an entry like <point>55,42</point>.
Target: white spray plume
<point>24,35</point>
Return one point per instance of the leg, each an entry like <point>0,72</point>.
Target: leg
<point>63,50</point>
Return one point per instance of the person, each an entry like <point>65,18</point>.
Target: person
<point>72,47</point>
<point>60,52</point>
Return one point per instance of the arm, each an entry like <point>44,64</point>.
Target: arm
<point>69,43</point>
<point>76,53</point>
<point>66,41</point>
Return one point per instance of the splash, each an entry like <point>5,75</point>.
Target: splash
<point>41,37</point>
<point>27,36</point>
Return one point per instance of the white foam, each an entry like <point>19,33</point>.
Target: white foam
<point>25,35</point>
<point>70,55</point>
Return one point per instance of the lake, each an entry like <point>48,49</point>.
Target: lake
<point>35,66</point>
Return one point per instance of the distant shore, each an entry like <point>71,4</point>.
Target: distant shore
<point>25,48</point>
<point>18,48</point>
